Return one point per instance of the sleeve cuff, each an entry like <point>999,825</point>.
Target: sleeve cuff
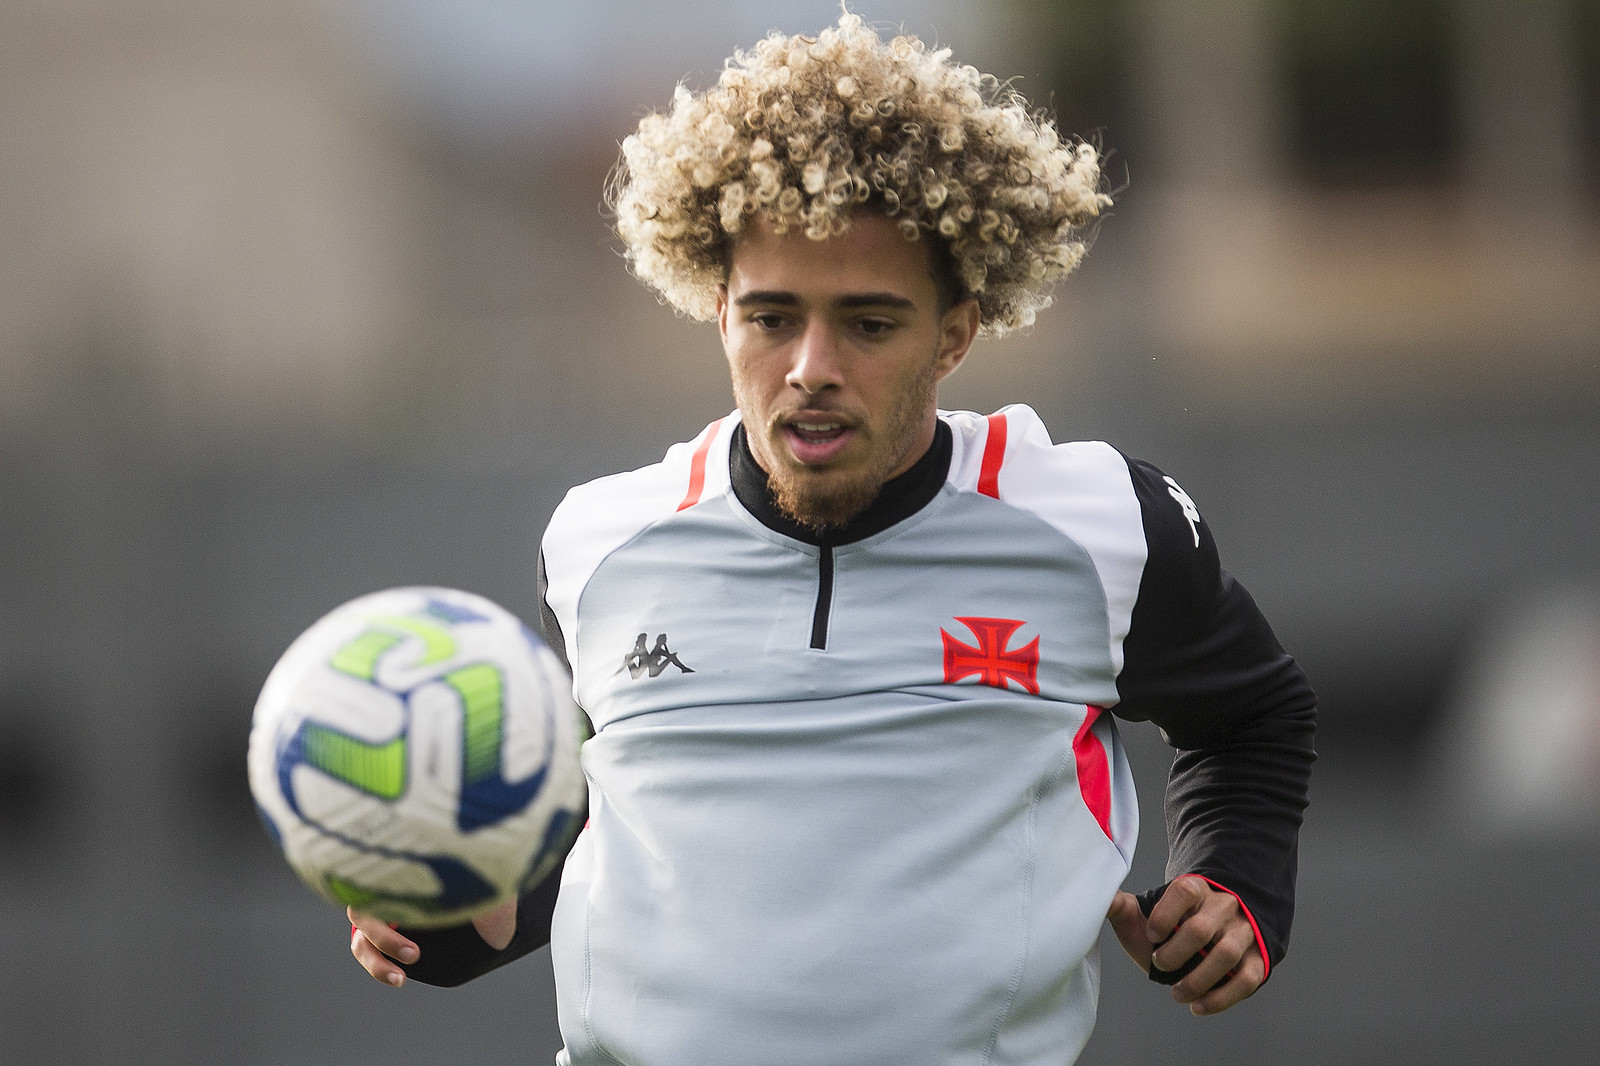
<point>1261,945</point>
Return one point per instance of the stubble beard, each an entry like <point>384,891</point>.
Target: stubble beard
<point>821,500</point>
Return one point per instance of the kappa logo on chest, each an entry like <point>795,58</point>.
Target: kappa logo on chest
<point>989,659</point>
<point>644,660</point>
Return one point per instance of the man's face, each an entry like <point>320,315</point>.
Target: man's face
<point>836,349</point>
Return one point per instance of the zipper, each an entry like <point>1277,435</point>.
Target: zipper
<point>819,617</point>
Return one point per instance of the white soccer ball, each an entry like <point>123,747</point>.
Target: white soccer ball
<point>415,755</point>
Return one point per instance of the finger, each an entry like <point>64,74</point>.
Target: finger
<point>1199,930</point>
<point>1192,938</point>
<point>1246,979</point>
<point>383,936</point>
<point>365,932</point>
<point>1181,899</point>
<point>380,966</point>
<point>1128,922</point>
<point>499,926</point>
<point>1221,958</point>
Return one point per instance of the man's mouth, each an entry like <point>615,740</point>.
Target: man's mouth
<point>815,441</point>
<point>817,432</point>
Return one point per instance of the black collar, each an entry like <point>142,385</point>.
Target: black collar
<point>899,499</point>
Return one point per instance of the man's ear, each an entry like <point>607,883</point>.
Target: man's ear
<point>958,328</point>
<point>722,312</point>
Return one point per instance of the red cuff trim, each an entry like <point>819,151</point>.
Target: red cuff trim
<point>1261,945</point>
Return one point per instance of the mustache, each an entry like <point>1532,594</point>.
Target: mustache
<point>814,413</point>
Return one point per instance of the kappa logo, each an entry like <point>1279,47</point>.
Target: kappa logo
<point>653,660</point>
<point>990,659</point>
<point>1190,511</point>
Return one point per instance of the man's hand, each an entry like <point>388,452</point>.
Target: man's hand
<point>377,946</point>
<point>1191,916</point>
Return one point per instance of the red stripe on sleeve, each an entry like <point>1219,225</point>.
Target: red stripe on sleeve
<point>994,453</point>
<point>1094,771</point>
<point>1261,945</point>
<point>697,466</point>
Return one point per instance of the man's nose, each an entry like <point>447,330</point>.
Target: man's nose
<point>816,364</point>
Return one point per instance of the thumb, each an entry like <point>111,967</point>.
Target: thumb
<point>498,926</point>
<point>1128,922</point>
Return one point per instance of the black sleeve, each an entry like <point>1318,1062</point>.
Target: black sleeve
<point>1202,663</point>
<point>456,954</point>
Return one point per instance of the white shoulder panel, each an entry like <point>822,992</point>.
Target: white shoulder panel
<point>1082,489</point>
<point>969,430</point>
<point>597,518</point>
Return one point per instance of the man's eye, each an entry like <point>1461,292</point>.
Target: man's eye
<point>875,327</point>
<point>767,320</point>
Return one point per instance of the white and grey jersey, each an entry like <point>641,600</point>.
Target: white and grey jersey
<point>855,796</point>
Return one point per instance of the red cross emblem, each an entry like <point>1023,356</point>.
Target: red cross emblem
<point>991,660</point>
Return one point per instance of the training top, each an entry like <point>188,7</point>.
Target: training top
<point>857,796</point>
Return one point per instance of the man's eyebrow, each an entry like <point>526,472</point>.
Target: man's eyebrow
<point>766,296</point>
<point>782,298</point>
<point>877,299</point>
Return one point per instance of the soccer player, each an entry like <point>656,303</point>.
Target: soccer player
<point>855,790</point>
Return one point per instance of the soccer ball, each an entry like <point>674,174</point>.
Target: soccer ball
<point>414,754</point>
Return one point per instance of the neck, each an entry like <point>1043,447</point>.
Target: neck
<point>900,497</point>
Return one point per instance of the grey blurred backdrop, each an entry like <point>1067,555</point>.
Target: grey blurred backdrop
<point>304,298</point>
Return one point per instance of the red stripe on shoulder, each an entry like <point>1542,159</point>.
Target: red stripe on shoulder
<point>994,454</point>
<point>697,466</point>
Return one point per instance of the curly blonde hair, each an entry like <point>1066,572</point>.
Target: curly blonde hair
<point>805,130</point>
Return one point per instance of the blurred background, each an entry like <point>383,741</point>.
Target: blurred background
<point>304,298</point>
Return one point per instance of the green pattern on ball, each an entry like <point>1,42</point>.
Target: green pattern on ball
<point>380,769</point>
<point>352,895</point>
<point>482,702</point>
<point>438,643</point>
<point>377,769</point>
<point>366,899</point>
<point>359,658</point>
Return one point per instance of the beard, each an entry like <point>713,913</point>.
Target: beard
<point>821,508</point>
<point>826,499</point>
